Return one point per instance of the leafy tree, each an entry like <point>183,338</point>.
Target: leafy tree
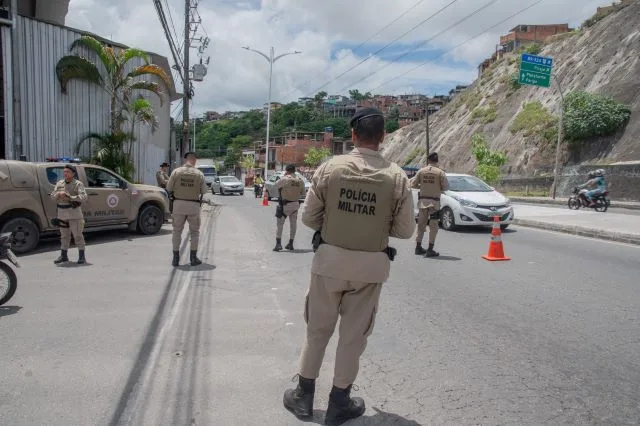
<point>391,126</point>
<point>315,156</point>
<point>489,162</point>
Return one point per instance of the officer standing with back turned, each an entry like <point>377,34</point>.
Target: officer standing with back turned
<point>290,188</point>
<point>431,181</point>
<point>355,203</point>
<point>186,187</point>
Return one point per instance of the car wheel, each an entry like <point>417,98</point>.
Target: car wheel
<point>150,220</point>
<point>213,192</point>
<point>242,193</point>
<point>447,219</point>
<point>25,233</point>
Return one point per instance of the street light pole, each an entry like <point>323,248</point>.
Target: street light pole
<point>271,59</point>
<point>426,113</point>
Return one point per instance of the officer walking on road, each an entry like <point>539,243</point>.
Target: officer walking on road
<point>187,186</point>
<point>290,188</point>
<point>431,181</point>
<point>69,194</point>
<point>356,202</point>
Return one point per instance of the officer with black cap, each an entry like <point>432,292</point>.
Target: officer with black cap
<point>186,187</point>
<point>290,188</point>
<point>431,181</point>
<point>355,203</point>
<point>162,175</point>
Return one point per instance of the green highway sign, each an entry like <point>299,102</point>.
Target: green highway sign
<point>535,70</point>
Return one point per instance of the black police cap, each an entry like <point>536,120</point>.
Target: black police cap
<point>165,164</point>
<point>433,157</point>
<point>365,112</point>
<point>290,168</point>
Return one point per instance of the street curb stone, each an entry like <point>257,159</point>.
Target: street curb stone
<point>563,202</point>
<point>581,231</point>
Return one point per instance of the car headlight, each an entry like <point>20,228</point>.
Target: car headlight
<point>465,202</point>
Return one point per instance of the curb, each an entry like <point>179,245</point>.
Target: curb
<point>600,234</point>
<point>563,202</point>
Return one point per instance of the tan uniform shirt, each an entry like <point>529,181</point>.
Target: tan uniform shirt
<point>355,265</point>
<point>291,187</point>
<point>76,192</point>
<point>431,181</point>
<point>187,184</point>
<point>162,178</point>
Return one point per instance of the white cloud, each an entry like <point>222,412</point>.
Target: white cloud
<point>238,79</point>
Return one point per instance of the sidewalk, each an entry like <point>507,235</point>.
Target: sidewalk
<point>631,205</point>
<point>624,228</point>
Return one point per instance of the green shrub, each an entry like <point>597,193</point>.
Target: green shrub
<point>514,80</point>
<point>413,154</point>
<point>532,49</point>
<point>471,99</point>
<point>486,115</point>
<point>489,162</point>
<point>587,115</point>
<point>535,120</point>
<point>599,16</point>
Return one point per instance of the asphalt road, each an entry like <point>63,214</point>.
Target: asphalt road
<point>550,337</point>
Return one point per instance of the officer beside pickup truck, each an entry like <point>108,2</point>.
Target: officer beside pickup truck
<point>186,187</point>
<point>69,194</point>
<point>355,203</point>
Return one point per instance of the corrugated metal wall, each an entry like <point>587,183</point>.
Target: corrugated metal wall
<point>7,78</point>
<point>53,123</point>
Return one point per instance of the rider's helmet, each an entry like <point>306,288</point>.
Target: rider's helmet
<point>591,175</point>
<point>599,172</point>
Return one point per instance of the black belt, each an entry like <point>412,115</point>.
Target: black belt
<point>424,197</point>
<point>180,199</point>
<point>64,206</point>
<point>287,201</point>
<point>317,241</point>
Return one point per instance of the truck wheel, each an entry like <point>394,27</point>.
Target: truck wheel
<point>25,232</point>
<point>150,220</point>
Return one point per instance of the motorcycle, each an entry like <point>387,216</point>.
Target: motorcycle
<point>579,199</point>
<point>8,279</point>
<point>257,190</point>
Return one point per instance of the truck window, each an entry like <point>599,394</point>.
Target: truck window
<point>97,178</point>
<point>207,171</point>
<point>54,174</point>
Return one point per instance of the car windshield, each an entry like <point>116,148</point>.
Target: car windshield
<point>208,171</point>
<point>229,179</point>
<point>467,184</point>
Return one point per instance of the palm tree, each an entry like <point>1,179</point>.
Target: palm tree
<point>118,83</point>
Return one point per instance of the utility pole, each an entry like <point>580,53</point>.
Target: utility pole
<point>426,113</point>
<point>187,83</point>
<point>556,171</point>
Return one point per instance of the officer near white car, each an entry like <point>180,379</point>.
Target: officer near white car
<point>186,187</point>
<point>431,182</point>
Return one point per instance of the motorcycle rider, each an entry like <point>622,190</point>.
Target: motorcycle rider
<point>257,182</point>
<point>597,180</point>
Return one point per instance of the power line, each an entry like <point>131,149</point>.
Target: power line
<point>460,44</point>
<point>421,44</point>
<point>173,27</point>
<point>383,48</point>
<point>363,43</point>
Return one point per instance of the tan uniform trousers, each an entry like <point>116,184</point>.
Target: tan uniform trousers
<point>423,218</point>
<point>76,227</point>
<point>357,304</point>
<point>186,211</point>
<point>291,212</point>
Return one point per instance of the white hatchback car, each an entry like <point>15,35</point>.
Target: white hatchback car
<point>470,202</point>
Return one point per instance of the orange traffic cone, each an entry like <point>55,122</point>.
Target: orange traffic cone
<point>496,251</point>
<point>265,200</point>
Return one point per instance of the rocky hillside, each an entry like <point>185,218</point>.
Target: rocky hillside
<point>602,59</point>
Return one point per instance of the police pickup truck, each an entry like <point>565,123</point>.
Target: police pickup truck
<point>26,210</point>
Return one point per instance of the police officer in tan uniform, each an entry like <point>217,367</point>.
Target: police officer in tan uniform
<point>290,187</point>
<point>162,177</point>
<point>69,194</point>
<point>431,181</point>
<point>186,186</point>
<point>356,202</point>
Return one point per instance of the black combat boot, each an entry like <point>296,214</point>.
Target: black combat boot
<point>176,258</point>
<point>300,400</point>
<point>431,252</point>
<point>290,245</point>
<point>278,246</point>
<point>194,259</point>
<point>81,258</point>
<point>342,407</point>
<point>63,257</point>
<point>420,250</point>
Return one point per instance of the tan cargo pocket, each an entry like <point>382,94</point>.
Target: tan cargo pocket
<point>371,322</point>
<point>306,309</point>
